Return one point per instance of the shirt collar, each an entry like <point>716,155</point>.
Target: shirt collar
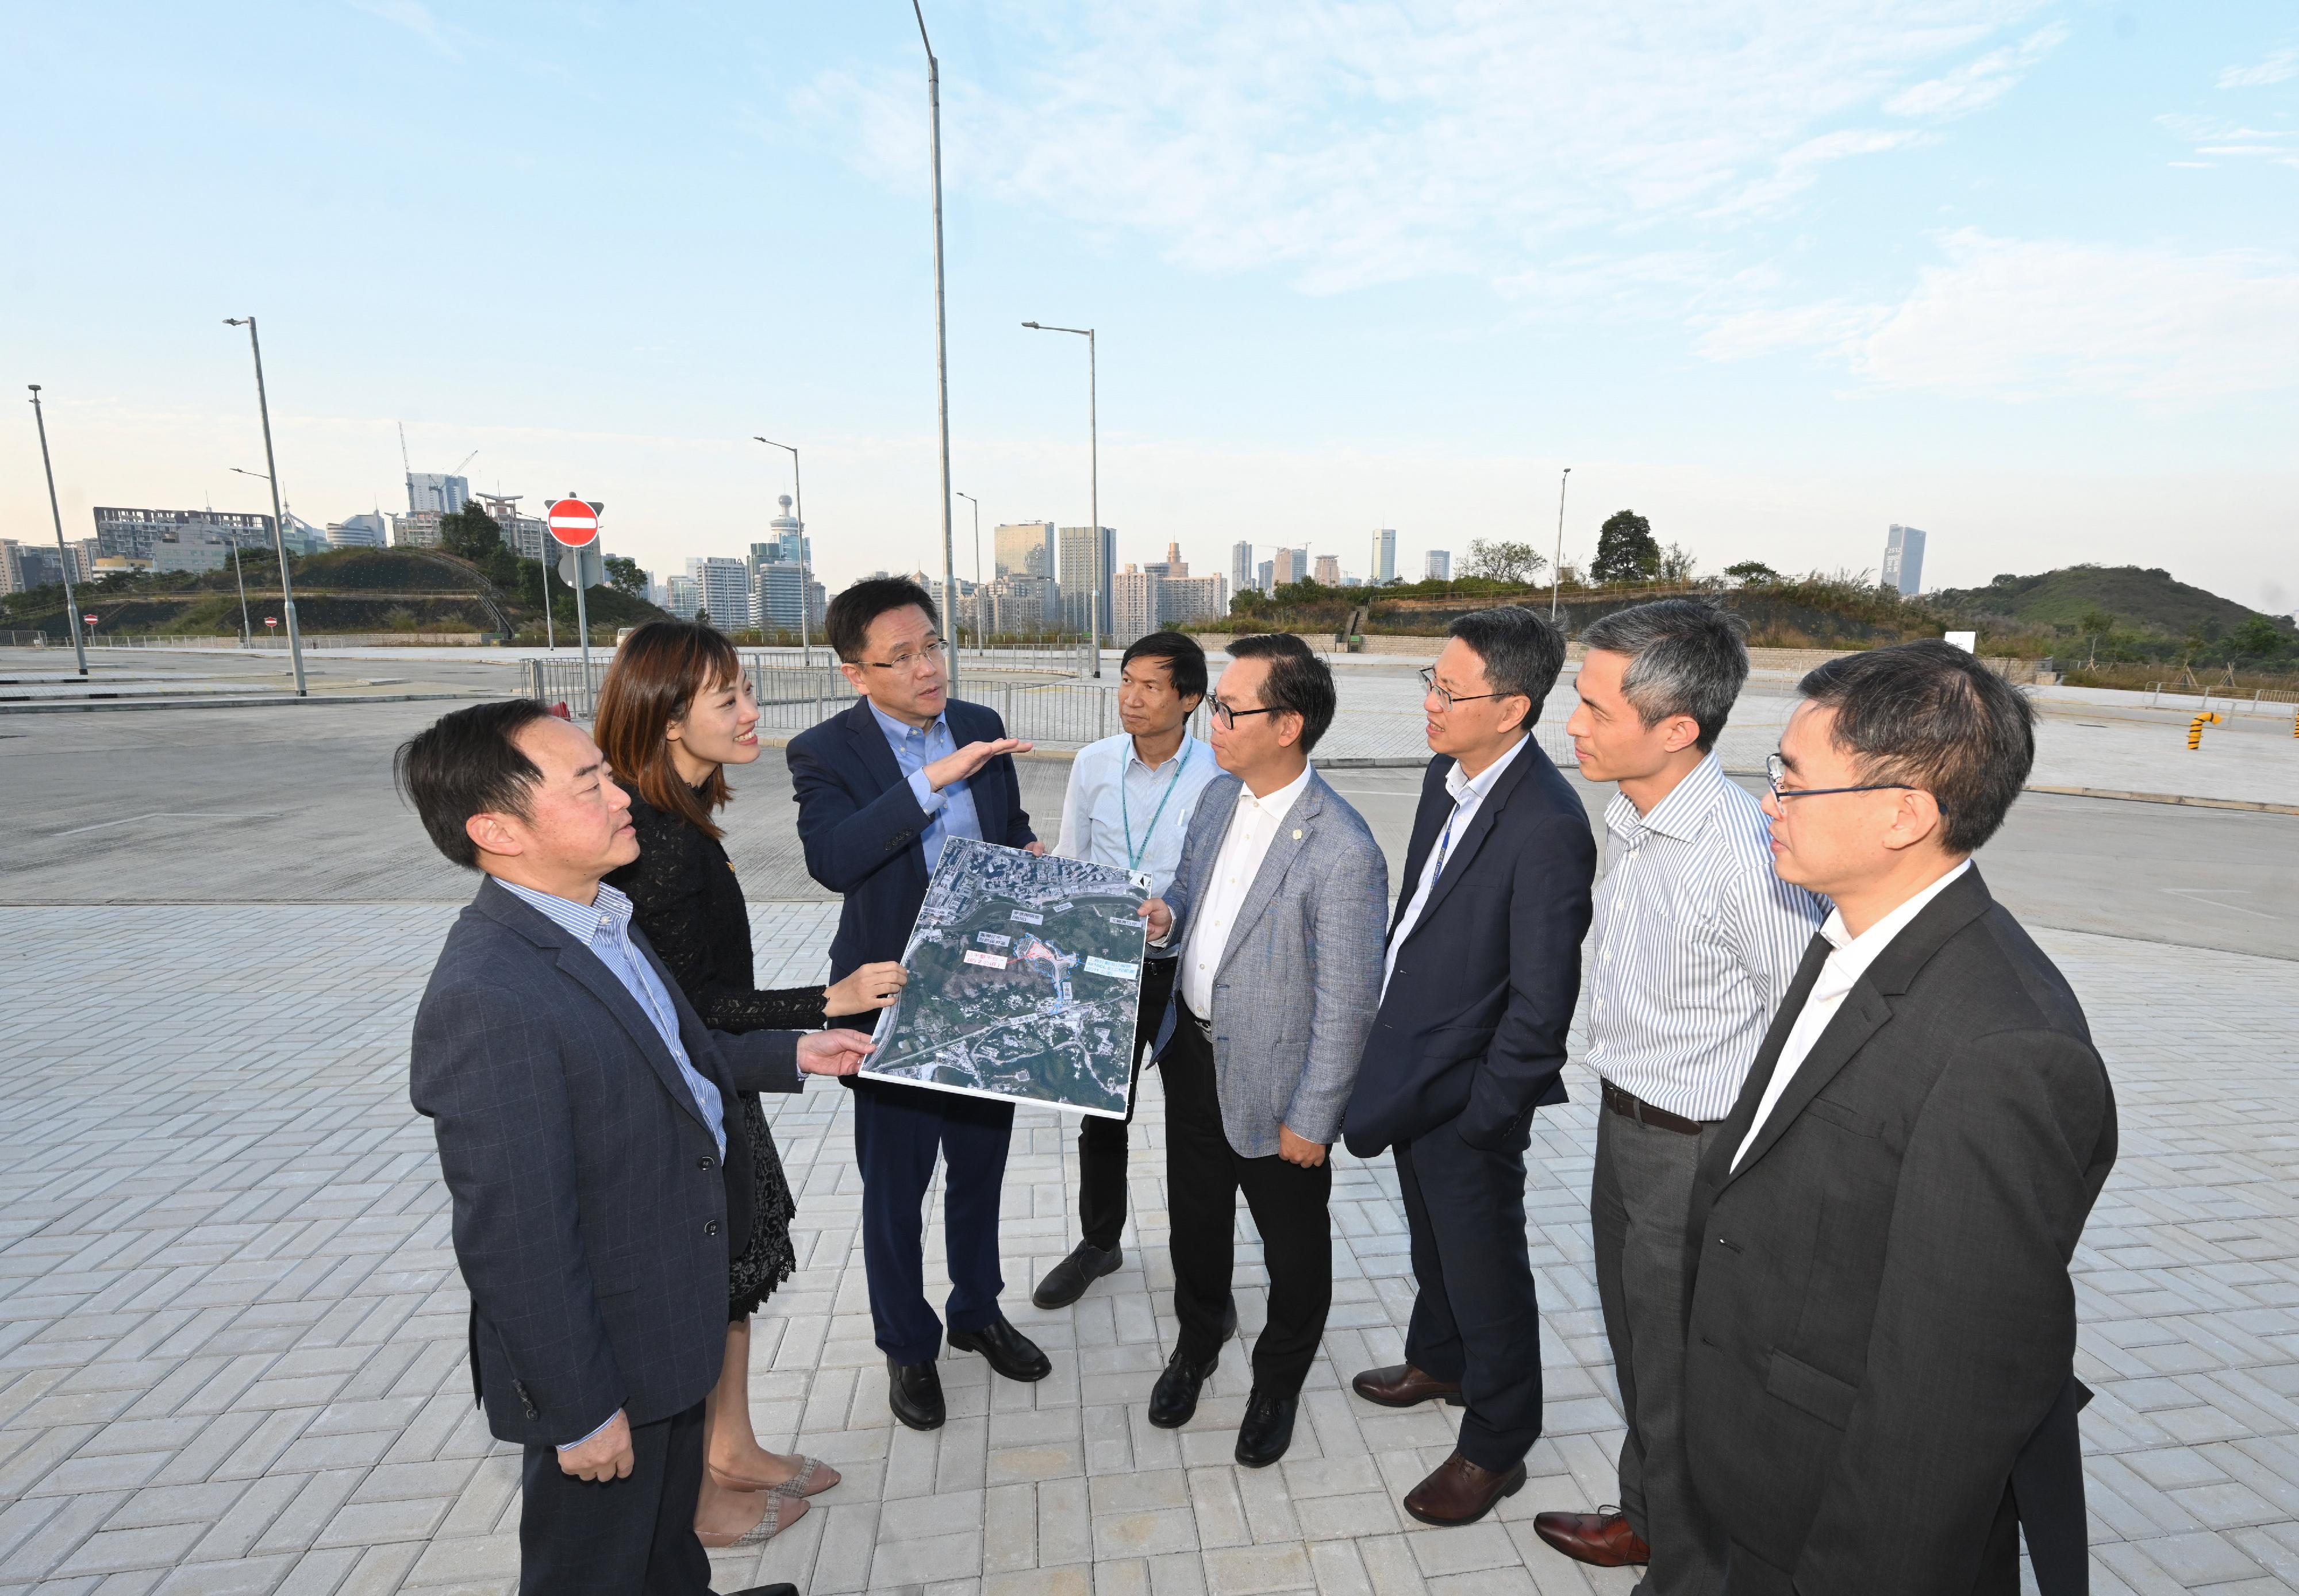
<point>609,912</point>
<point>1854,953</point>
<point>1459,785</point>
<point>897,730</point>
<point>1681,814</point>
<point>1132,755</point>
<point>1279,804</point>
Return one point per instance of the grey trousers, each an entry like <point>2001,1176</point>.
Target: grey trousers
<point>1638,1206</point>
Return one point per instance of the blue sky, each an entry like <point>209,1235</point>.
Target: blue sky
<point>2026,275</point>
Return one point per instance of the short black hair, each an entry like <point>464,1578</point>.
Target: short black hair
<point>1299,680</point>
<point>1520,651</point>
<point>1933,716</point>
<point>1186,661</point>
<point>1685,658</point>
<point>466,763</point>
<point>851,612</point>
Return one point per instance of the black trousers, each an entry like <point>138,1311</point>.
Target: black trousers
<point>1203,1177</point>
<point>1101,1143</point>
<point>1475,1317</point>
<point>628,1537</point>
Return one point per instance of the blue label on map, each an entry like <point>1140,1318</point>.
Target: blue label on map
<point>1112,966</point>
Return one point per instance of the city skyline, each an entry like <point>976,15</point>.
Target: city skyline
<point>2023,273</point>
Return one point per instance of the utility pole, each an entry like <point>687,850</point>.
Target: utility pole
<point>941,342</point>
<point>1557,571</point>
<point>805,570</point>
<point>981,632</point>
<point>278,516</point>
<point>63,555</point>
<point>1093,456</point>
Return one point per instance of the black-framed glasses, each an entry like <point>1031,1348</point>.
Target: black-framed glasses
<point>1227,719</point>
<point>1429,680</point>
<point>1775,767</point>
<point>903,661</point>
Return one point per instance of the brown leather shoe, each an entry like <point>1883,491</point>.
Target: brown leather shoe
<point>1458,1491</point>
<point>1402,1385</point>
<point>1603,1540</point>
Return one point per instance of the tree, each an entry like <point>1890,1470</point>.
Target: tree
<point>469,534</point>
<point>701,616</point>
<point>623,574</point>
<point>1752,573</point>
<point>2095,622</point>
<point>1676,563</point>
<point>1626,549</point>
<point>2257,639</point>
<point>1498,561</point>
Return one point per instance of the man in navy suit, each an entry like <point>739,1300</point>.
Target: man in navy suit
<point>1483,970</point>
<point>599,1185</point>
<point>879,789</point>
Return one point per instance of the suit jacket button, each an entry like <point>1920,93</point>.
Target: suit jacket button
<point>706,1162</point>
<point>710,1227</point>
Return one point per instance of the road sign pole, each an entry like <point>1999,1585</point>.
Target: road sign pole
<point>583,625</point>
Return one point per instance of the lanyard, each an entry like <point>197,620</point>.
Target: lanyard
<point>1133,855</point>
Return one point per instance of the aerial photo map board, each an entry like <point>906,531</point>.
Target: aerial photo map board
<point>1024,977</point>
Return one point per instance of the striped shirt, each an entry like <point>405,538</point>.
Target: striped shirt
<point>1130,815</point>
<point>1695,942</point>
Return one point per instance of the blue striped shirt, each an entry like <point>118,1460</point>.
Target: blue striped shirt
<point>950,812</point>
<point>1695,942</point>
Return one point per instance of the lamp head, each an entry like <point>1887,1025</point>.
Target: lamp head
<point>234,321</point>
<point>33,386</point>
<point>1034,327</point>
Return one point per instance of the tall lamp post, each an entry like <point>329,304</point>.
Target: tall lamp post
<point>942,341</point>
<point>1093,455</point>
<point>279,520</point>
<point>805,576</point>
<point>1557,571</point>
<point>981,632</point>
<point>246,628</point>
<point>63,555</point>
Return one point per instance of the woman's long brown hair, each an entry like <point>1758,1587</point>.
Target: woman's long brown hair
<point>661,668</point>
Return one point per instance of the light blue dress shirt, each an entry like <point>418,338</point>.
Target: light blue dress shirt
<point>1119,811</point>
<point>950,812</point>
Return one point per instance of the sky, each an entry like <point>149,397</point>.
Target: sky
<point>1775,274</point>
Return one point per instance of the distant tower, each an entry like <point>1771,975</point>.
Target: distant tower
<point>1241,567</point>
<point>1903,560</point>
<point>1384,554</point>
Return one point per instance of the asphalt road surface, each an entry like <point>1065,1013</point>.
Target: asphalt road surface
<point>294,805</point>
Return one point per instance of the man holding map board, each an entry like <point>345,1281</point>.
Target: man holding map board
<point>881,790</point>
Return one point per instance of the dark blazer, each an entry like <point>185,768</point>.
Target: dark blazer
<point>1474,1019</point>
<point>1882,1320</point>
<point>591,1219</point>
<point>861,825</point>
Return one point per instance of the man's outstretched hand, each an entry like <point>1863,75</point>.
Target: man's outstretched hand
<point>834,1052</point>
<point>967,760</point>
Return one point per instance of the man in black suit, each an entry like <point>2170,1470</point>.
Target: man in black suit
<point>1880,1375</point>
<point>1483,967</point>
<point>598,1186</point>
<point>879,788</point>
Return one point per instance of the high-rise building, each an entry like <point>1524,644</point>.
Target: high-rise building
<point>1240,566</point>
<point>1903,560</point>
<point>723,588</point>
<point>438,492</point>
<point>1384,554</point>
<point>1184,600</point>
<point>131,533</point>
<point>366,531</point>
<point>1437,566</point>
<point>189,550</point>
<point>1024,549</point>
<point>1021,606</point>
<point>24,566</point>
<point>528,536</point>
<point>682,596</point>
<point>1265,576</point>
<point>780,582</point>
<point>1077,574</point>
<point>1134,595</point>
<point>1291,565</point>
<point>417,529</point>
<point>785,540</point>
<point>1329,571</point>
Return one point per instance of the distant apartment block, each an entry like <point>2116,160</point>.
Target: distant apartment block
<point>1184,600</point>
<point>194,550</point>
<point>367,530</point>
<point>1437,566</point>
<point>1021,606</point>
<point>1903,560</point>
<point>24,566</point>
<point>1384,554</point>
<point>528,536</point>
<point>1265,577</point>
<point>780,585</point>
<point>1134,595</point>
<point>417,529</point>
<point>1329,571</point>
<point>723,588</point>
<point>436,492</point>
<point>682,596</point>
<point>1024,549</point>
<point>130,534</point>
<point>1291,565</point>
<point>1077,575</point>
<point>1240,566</point>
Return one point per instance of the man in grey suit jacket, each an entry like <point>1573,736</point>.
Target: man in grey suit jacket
<point>1277,909</point>
<point>599,1186</point>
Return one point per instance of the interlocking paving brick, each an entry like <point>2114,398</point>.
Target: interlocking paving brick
<point>231,1335</point>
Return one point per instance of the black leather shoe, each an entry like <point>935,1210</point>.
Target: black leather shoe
<point>914,1391</point>
<point>1267,1430</point>
<point>1066,1281</point>
<point>1011,1352</point>
<point>1174,1398</point>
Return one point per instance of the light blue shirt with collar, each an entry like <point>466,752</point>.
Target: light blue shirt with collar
<point>950,812</point>
<point>1122,812</point>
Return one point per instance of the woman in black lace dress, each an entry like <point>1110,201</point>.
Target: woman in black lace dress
<point>674,708</point>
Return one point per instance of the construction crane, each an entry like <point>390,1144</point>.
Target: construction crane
<point>407,469</point>
<point>466,460</point>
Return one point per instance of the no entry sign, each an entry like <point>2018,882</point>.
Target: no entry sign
<point>574,523</point>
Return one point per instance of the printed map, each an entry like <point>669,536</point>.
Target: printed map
<point>1024,977</point>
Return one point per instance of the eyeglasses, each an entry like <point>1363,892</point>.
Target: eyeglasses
<point>1227,719</point>
<point>933,651</point>
<point>1775,767</point>
<point>1429,680</point>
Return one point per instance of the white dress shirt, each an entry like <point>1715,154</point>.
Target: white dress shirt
<point>1468,798</point>
<point>1253,825</point>
<point>1845,966</point>
<point>1122,812</point>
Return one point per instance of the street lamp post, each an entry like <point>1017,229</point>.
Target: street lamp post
<point>942,341</point>
<point>247,626</point>
<point>63,555</point>
<point>981,631</point>
<point>1557,571</point>
<point>279,520</point>
<point>1093,456</point>
<point>805,574</point>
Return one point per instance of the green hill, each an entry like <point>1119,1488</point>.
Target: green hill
<point>2139,600</point>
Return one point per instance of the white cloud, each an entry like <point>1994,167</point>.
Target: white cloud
<point>2014,318</point>
<point>2275,69</point>
<point>1351,143</point>
<point>2217,135</point>
<point>1978,84</point>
